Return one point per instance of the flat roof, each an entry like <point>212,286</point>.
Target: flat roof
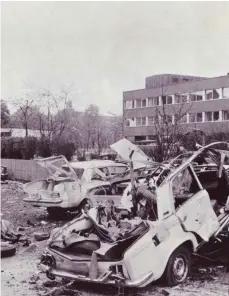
<point>177,84</point>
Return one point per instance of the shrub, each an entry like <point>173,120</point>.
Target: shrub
<point>26,148</point>
<point>29,147</point>
<point>44,147</point>
<point>66,148</point>
<point>18,148</point>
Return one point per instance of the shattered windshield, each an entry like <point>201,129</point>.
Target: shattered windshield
<point>58,167</point>
<point>79,171</point>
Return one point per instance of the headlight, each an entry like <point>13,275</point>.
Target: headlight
<point>55,195</point>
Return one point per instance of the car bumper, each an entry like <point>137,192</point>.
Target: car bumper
<point>107,277</point>
<point>43,202</point>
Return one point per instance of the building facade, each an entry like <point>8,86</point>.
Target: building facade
<point>200,103</point>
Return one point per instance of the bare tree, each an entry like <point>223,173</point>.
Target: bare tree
<point>24,105</point>
<point>168,127</point>
<point>53,113</point>
<point>5,114</point>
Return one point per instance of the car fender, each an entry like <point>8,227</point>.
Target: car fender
<point>167,247</point>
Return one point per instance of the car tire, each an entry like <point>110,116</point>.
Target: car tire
<point>178,266</point>
<point>7,251</point>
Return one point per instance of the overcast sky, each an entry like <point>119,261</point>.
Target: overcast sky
<point>105,48</point>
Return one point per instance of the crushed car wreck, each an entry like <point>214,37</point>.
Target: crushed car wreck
<point>170,217</point>
<point>69,184</point>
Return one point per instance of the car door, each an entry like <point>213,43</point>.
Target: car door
<point>192,204</point>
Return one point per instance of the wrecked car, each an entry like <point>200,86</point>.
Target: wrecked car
<point>101,246</point>
<point>69,184</point>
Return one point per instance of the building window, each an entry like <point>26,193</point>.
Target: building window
<point>144,103</point>
<point>212,94</point>
<point>194,97</point>
<point>152,137</point>
<point>226,93</point>
<point>183,119</point>
<point>180,118</point>
<point>167,100</point>
<point>167,119</point>
<point>130,122</point>
<point>140,138</point>
<point>153,101</point>
<point>140,121</point>
<point>138,103</point>
<point>129,104</point>
<point>153,120</point>
<point>185,79</point>
<point>150,120</point>
<point>212,116</point>
<point>192,117</point>
<point>195,117</point>
<point>199,117</point>
<point>226,115</point>
<point>127,122</point>
<point>175,80</point>
<point>180,98</point>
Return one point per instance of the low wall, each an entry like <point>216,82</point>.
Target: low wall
<point>24,170</point>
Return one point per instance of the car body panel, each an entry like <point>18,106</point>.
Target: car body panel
<point>124,148</point>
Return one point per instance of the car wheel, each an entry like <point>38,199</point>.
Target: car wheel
<point>178,267</point>
<point>7,251</point>
<point>99,191</point>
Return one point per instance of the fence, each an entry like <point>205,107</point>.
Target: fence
<point>24,170</point>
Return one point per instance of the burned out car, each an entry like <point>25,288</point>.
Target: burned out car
<point>69,184</point>
<point>101,246</point>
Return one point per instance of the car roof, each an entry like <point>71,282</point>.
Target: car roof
<point>94,164</point>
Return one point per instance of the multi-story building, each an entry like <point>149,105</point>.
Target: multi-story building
<point>200,103</point>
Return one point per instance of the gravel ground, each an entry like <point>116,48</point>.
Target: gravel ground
<point>20,276</point>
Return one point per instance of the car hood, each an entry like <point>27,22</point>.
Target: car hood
<point>124,148</point>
